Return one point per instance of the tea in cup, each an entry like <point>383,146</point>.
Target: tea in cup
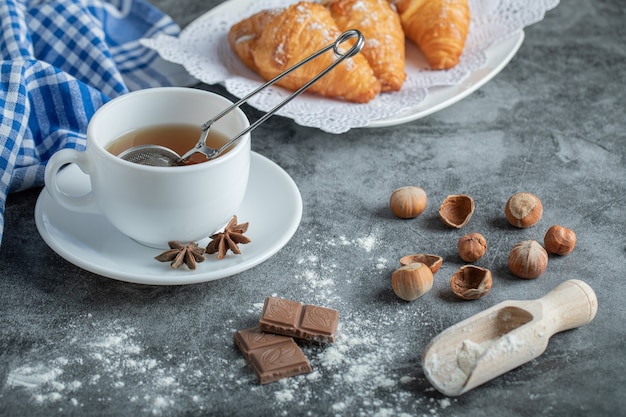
<point>154,205</point>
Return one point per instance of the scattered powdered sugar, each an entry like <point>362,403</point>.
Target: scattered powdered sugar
<point>375,369</point>
<point>373,43</point>
<point>381,263</point>
<point>284,395</point>
<point>43,380</point>
<point>359,6</point>
<point>367,242</point>
<point>280,55</point>
<point>445,403</point>
<point>110,358</point>
<point>318,277</point>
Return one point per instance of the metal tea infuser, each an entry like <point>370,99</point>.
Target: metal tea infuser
<point>156,155</point>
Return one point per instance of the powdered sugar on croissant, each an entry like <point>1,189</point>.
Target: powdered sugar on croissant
<point>272,41</point>
<point>384,38</point>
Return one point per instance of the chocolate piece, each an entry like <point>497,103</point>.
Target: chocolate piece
<point>271,356</point>
<point>279,361</point>
<point>248,340</point>
<point>291,318</point>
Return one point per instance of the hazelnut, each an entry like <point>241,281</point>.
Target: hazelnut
<point>432,261</point>
<point>456,210</point>
<point>408,202</point>
<point>472,247</point>
<point>523,210</point>
<point>528,259</point>
<point>412,281</point>
<point>559,240</point>
<point>471,282</point>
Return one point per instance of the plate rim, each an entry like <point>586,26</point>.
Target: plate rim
<point>514,42</point>
<point>161,277</point>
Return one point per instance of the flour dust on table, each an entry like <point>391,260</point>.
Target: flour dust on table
<point>380,370</point>
<point>110,356</point>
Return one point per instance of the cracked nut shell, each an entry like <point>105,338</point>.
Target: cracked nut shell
<point>523,210</point>
<point>528,259</point>
<point>412,281</point>
<point>456,210</point>
<point>432,261</point>
<point>471,282</point>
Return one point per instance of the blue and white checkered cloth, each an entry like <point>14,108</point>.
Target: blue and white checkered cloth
<point>61,60</point>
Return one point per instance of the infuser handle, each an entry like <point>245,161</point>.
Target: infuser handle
<point>353,33</point>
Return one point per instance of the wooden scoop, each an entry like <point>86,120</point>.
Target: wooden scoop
<point>504,337</point>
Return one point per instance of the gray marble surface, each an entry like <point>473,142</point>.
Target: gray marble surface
<point>552,123</point>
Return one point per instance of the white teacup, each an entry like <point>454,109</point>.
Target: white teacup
<point>154,205</point>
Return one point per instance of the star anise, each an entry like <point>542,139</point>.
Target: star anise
<point>180,254</point>
<point>230,238</point>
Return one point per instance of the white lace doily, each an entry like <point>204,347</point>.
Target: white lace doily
<point>202,48</point>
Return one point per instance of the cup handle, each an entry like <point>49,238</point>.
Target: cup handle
<point>81,203</point>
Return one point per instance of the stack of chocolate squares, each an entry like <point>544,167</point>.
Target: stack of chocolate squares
<point>270,348</point>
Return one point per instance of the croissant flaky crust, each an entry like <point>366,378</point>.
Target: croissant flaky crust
<point>272,41</point>
<point>384,38</point>
<point>438,27</point>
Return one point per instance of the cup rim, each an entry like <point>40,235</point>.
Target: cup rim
<point>100,149</point>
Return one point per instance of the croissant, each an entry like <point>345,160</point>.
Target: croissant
<point>384,38</point>
<point>438,27</point>
<point>272,41</point>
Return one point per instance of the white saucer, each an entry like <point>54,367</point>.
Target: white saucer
<point>272,206</point>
